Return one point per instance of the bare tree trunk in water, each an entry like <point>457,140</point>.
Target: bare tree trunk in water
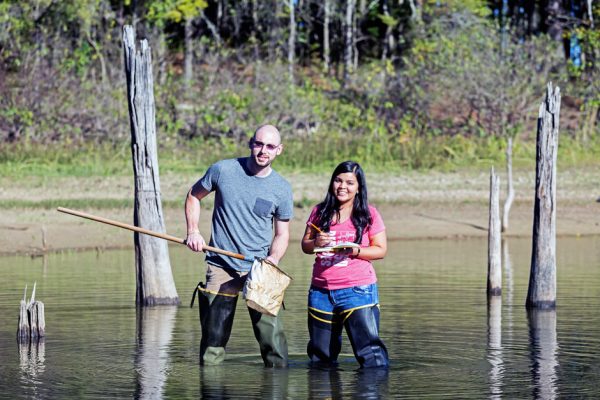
<point>542,277</point>
<point>494,281</point>
<point>154,279</point>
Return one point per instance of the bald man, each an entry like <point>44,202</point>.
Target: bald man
<point>252,210</point>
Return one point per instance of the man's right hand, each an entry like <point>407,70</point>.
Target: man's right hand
<point>195,241</point>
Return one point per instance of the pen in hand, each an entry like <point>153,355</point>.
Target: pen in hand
<point>316,227</point>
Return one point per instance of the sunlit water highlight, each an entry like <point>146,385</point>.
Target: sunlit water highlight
<point>445,340</point>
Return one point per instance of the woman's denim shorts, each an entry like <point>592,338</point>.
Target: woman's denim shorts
<point>339,300</point>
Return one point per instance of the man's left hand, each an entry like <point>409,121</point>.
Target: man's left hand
<point>273,260</point>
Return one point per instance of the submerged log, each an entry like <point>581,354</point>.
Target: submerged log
<point>542,278</point>
<point>154,278</point>
<point>494,282</point>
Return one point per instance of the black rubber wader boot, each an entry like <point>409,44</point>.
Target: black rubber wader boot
<point>216,320</point>
<point>325,344</point>
<point>362,326</point>
<point>268,331</point>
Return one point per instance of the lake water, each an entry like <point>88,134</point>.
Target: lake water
<point>444,339</point>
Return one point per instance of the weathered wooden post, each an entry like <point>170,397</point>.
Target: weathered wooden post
<point>154,278</point>
<point>542,277</point>
<point>494,281</point>
<point>32,322</point>
<point>23,327</point>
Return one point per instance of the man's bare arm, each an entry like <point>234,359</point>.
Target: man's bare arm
<point>280,241</point>
<point>194,239</point>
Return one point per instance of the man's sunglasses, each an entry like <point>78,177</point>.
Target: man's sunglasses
<point>259,145</point>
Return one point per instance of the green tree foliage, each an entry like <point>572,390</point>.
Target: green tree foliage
<point>432,77</point>
<point>163,12</point>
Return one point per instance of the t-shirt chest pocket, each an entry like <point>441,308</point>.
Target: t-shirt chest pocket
<point>263,208</point>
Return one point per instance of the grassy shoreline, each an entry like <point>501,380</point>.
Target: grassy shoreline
<point>301,155</point>
<point>575,185</point>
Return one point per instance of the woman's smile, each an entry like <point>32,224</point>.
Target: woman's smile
<point>345,187</point>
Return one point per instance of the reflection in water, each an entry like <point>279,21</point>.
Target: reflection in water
<point>214,382</point>
<point>327,383</point>
<point>508,273</point>
<point>275,383</point>
<point>223,382</point>
<point>436,322</point>
<point>32,357</point>
<point>543,349</point>
<point>508,292</point>
<point>324,383</point>
<point>154,333</point>
<point>371,384</point>
<point>45,265</point>
<point>494,346</point>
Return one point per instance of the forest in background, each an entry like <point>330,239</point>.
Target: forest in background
<point>407,83</point>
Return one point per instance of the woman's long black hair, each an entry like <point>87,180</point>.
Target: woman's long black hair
<point>330,207</point>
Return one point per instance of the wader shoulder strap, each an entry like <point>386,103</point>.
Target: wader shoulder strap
<point>199,285</point>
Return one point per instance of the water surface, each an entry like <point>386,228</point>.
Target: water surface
<point>444,338</point>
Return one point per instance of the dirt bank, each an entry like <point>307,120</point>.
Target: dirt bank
<point>414,206</point>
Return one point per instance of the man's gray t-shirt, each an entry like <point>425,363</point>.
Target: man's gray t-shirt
<point>244,211</point>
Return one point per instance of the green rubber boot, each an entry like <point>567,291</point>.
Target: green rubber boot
<point>268,331</point>
<point>216,320</point>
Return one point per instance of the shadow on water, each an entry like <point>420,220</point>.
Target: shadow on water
<point>154,333</point>
<point>543,351</point>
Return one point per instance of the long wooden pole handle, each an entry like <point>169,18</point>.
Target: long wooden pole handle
<point>149,232</point>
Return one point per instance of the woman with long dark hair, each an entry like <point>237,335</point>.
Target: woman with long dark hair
<point>346,234</point>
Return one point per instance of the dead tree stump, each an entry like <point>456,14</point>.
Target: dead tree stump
<point>542,278</point>
<point>154,278</point>
<point>32,322</point>
<point>494,282</point>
